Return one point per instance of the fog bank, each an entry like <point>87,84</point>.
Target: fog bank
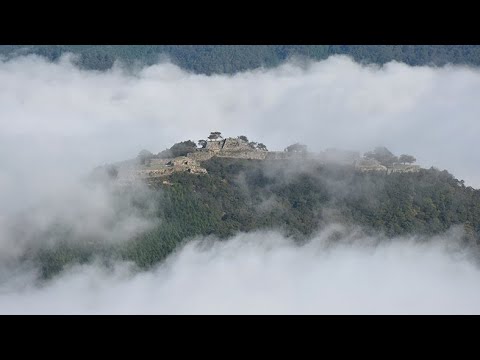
<point>264,273</point>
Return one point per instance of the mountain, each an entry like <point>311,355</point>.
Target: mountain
<point>210,59</point>
<point>243,189</point>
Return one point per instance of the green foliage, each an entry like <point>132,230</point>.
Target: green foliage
<point>214,135</point>
<point>183,148</point>
<point>239,195</point>
<point>382,155</point>
<point>404,158</point>
<point>262,146</point>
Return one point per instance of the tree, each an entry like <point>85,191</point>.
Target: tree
<point>261,146</point>
<point>297,147</point>
<point>243,137</point>
<point>214,135</point>
<point>183,148</point>
<point>382,155</point>
<point>252,144</point>
<point>202,143</point>
<point>404,158</point>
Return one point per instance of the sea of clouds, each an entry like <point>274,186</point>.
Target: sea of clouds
<point>57,122</point>
<point>266,273</point>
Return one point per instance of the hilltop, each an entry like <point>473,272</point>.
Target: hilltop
<point>187,157</point>
<point>239,186</point>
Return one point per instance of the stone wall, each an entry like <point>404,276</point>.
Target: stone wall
<point>369,165</point>
<point>201,155</point>
<point>228,148</point>
<point>235,145</point>
<point>178,164</point>
<point>183,161</point>
<point>215,145</point>
<point>239,149</point>
<point>249,154</point>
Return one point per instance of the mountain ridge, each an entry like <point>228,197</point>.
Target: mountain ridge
<point>229,59</point>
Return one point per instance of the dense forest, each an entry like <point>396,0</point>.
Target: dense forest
<point>296,198</point>
<point>209,59</point>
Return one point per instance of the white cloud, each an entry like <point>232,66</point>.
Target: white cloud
<point>264,273</point>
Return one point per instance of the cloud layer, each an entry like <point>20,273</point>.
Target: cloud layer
<point>264,273</point>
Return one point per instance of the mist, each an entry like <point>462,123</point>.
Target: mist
<point>80,213</point>
<point>266,273</point>
<point>58,122</point>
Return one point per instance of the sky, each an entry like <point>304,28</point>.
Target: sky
<point>57,122</point>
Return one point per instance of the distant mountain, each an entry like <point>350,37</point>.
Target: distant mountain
<point>209,59</point>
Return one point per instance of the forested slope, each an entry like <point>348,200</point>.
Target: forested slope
<point>297,199</point>
<point>208,59</point>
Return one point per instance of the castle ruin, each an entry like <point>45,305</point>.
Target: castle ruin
<point>240,148</point>
<point>229,148</point>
